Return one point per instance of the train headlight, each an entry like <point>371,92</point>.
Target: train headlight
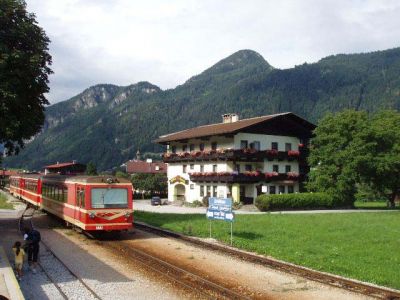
<point>92,215</point>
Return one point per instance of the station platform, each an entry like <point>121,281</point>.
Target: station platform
<point>9,286</point>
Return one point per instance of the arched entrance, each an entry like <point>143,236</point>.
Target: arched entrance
<point>179,192</point>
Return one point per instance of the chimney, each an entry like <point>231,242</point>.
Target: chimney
<point>230,118</point>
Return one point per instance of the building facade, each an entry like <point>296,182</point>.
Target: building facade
<point>240,159</point>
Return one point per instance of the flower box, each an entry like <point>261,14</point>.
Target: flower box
<point>293,153</point>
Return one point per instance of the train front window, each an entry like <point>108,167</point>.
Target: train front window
<point>109,198</point>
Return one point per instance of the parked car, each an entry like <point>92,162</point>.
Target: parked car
<point>155,201</point>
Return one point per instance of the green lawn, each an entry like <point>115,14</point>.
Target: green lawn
<point>4,204</point>
<point>364,246</point>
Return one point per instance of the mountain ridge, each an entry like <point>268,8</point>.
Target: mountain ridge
<point>107,123</point>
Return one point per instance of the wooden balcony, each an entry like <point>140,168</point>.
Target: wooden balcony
<point>247,155</point>
<point>248,177</point>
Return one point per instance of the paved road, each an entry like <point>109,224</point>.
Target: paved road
<point>144,205</point>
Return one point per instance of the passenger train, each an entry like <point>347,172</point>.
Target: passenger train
<point>92,203</point>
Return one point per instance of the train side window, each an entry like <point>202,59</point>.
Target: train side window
<point>65,194</point>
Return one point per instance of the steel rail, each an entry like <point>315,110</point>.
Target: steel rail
<point>322,277</point>
<point>187,279</point>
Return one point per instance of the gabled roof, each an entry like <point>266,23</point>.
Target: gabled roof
<point>226,128</point>
<point>62,165</point>
<point>138,166</point>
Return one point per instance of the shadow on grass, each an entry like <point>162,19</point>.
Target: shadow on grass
<point>247,235</point>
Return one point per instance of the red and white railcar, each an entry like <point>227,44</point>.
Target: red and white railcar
<point>92,203</point>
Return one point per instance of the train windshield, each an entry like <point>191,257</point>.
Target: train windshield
<point>109,198</point>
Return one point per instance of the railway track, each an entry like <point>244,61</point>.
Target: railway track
<point>89,293</point>
<point>197,284</point>
<point>326,278</point>
<point>211,290</point>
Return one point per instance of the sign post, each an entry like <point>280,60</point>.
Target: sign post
<point>220,209</point>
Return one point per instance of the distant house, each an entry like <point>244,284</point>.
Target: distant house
<point>67,168</point>
<point>5,176</point>
<point>145,167</point>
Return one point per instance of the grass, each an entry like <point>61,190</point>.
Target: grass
<point>363,246</point>
<point>4,204</point>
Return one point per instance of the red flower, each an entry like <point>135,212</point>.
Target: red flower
<point>271,174</point>
<point>293,153</point>
<point>272,152</point>
<point>292,175</point>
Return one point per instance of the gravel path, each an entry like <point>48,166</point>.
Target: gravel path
<point>67,282</point>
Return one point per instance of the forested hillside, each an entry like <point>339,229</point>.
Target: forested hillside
<point>107,124</point>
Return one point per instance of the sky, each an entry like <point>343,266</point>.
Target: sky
<point>166,42</point>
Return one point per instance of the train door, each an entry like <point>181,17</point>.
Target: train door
<point>80,202</point>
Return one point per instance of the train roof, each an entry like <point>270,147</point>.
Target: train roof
<point>76,179</point>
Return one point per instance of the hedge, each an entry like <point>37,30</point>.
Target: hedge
<point>295,201</point>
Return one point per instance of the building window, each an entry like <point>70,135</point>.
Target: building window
<point>288,147</point>
<point>208,189</point>
<point>237,168</point>
<point>184,148</point>
<point>202,191</point>
<point>244,144</point>
<point>274,146</point>
<point>255,145</point>
<point>275,168</point>
<point>201,146</point>
<point>191,166</point>
<point>272,189</point>
<point>214,168</point>
<point>215,191</point>
<point>248,168</point>
<point>173,149</point>
<point>184,167</point>
<point>281,189</point>
<point>287,168</point>
<point>201,168</point>
<point>192,186</point>
<point>214,146</point>
<point>191,147</point>
<point>290,189</point>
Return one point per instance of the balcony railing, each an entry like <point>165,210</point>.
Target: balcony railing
<point>247,177</point>
<point>234,155</point>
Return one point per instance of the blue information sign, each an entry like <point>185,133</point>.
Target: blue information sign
<point>220,209</point>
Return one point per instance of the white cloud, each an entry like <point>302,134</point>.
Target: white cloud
<point>166,42</point>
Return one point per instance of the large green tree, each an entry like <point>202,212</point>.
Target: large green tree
<point>150,182</point>
<point>332,154</point>
<point>24,70</point>
<point>377,154</point>
<point>91,169</point>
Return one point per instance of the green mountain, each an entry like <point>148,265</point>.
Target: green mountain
<point>107,124</point>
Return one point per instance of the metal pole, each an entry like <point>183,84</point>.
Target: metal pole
<point>231,232</point>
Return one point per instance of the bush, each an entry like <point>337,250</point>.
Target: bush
<point>195,203</point>
<point>205,201</point>
<point>237,205</point>
<point>295,201</point>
